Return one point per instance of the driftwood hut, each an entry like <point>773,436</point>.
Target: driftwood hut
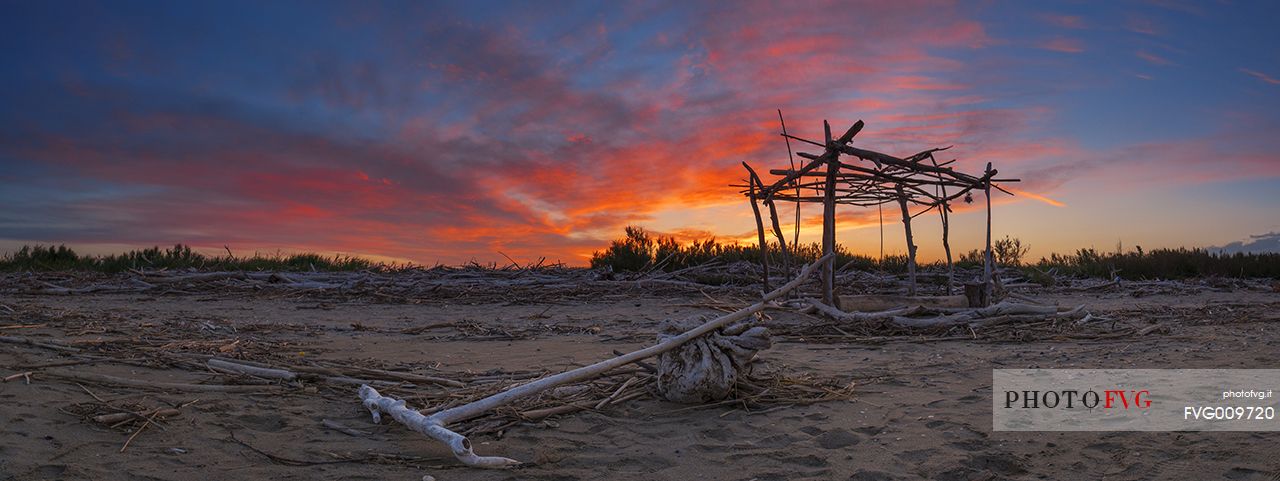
<point>842,174</point>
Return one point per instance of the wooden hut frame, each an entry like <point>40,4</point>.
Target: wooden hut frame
<point>846,175</point>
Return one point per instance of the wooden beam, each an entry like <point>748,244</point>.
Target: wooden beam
<point>988,264</point>
<point>777,228</point>
<point>764,248</point>
<point>946,245</point>
<point>848,134</point>
<point>831,152</point>
<point>911,246</point>
<point>829,231</point>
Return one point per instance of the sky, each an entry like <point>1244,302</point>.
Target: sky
<point>457,131</point>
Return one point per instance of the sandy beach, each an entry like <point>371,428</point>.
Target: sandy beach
<point>920,407</point>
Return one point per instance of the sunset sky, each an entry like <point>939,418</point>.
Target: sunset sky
<point>446,132</point>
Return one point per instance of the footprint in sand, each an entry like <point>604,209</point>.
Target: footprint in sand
<point>807,460</point>
<point>837,439</point>
<point>916,456</point>
<point>1004,464</point>
<point>869,430</point>
<point>1249,474</point>
<point>719,434</point>
<point>864,475</point>
<point>269,423</point>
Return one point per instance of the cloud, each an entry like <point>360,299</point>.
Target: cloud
<point>1269,242</point>
<point>1036,196</point>
<point>1142,25</point>
<point>1153,58</point>
<point>452,139</point>
<point>1064,45</point>
<point>1261,76</point>
<point>1179,6</point>
<point>1165,163</point>
<point>1064,21</point>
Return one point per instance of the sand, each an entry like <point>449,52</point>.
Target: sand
<point>921,409</point>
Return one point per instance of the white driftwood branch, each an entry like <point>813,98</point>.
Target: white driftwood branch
<point>430,427</point>
<point>433,426</point>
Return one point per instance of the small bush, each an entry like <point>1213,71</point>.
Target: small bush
<point>1009,252</point>
<point>43,258</point>
<point>631,253</point>
<point>973,258</point>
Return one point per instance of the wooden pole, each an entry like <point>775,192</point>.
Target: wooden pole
<point>764,248</point>
<point>911,246</point>
<point>946,228</point>
<point>782,241</point>
<point>880,214</point>
<point>988,264</point>
<point>946,246</point>
<point>777,227</point>
<point>829,222</point>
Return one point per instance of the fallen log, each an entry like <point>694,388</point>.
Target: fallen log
<point>121,381</point>
<point>874,302</point>
<point>263,372</point>
<point>946,317</point>
<point>54,345</point>
<point>408,376</point>
<point>840,315</point>
<point>434,426</point>
<point>114,418</point>
<point>1003,311</point>
<point>539,414</point>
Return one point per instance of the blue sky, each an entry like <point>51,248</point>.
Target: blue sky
<point>450,131</point>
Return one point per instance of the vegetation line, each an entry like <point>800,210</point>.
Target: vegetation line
<point>641,251</point>
<point>62,258</point>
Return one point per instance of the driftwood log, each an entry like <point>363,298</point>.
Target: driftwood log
<point>945,317</point>
<point>435,425</point>
<point>707,368</point>
<point>875,302</point>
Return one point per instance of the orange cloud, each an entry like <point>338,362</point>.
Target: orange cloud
<point>1035,196</point>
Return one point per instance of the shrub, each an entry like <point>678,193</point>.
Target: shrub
<point>42,258</point>
<point>1009,252</point>
<point>630,253</point>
